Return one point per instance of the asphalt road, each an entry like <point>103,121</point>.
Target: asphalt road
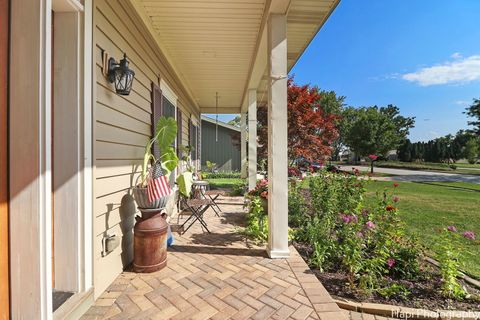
<point>417,175</point>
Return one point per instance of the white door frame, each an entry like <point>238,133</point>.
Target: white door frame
<point>30,154</point>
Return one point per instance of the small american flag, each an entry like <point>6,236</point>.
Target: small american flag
<point>157,186</point>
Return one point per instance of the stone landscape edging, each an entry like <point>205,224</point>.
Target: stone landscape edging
<point>463,276</point>
<point>387,310</point>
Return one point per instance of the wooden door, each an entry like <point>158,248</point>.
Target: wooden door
<point>4,235</point>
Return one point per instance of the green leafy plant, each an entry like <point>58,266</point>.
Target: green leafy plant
<point>449,259</point>
<point>394,291</point>
<point>165,134</point>
<point>296,205</point>
<point>366,243</point>
<point>257,224</point>
<point>211,166</point>
<point>187,158</point>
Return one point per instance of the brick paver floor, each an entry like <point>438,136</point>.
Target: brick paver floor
<point>219,276</point>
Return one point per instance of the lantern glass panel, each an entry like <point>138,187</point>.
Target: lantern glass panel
<point>123,81</point>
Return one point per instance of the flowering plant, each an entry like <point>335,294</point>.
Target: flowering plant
<point>366,243</point>
<point>449,259</point>
<point>260,190</point>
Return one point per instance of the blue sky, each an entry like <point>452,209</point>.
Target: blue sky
<point>423,56</point>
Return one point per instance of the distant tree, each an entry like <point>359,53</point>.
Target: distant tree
<point>374,130</point>
<point>334,105</point>
<point>473,111</point>
<point>472,150</point>
<point>235,121</point>
<point>405,151</point>
<point>311,130</point>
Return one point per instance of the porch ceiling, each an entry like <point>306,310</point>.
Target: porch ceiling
<point>220,46</point>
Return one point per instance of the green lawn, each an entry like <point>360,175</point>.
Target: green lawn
<point>224,183</point>
<point>468,165</point>
<point>426,208</point>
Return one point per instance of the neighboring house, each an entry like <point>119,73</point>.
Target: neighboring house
<point>224,149</point>
<point>71,145</point>
<point>392,155</point>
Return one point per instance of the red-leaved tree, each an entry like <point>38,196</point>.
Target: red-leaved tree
<point>311,131</point>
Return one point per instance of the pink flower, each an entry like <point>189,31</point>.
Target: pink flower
<point>264,194</point>
<point>469,235</point>
<point>360,234</point>
<point>347,218</point>
<point>452,228</point>
<point>370,225</point>
<point>373,157</point>
<point>390,263</point>
<point>395,199</point>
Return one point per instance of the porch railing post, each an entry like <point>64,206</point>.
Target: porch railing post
<point>243,145</point>
<point>252,138</point>
<point>277,137</point>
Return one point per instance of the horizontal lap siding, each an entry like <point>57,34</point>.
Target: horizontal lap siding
<point>226,152</point>
<point>122,127</point>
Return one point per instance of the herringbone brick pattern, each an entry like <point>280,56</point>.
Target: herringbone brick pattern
<point>218,276</point>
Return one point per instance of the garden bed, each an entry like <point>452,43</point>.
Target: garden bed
<point>397,282</point>
<point>362,250</point>
<point>423,292</point>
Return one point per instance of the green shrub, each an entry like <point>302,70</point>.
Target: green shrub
<point>256,225</point>
<point>221,175</point>
<point>296,205</point>
<point>239,189</point>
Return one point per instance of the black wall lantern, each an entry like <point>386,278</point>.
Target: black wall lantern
<point>121,75</point>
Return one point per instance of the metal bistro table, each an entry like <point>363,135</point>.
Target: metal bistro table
<point>199,188</point>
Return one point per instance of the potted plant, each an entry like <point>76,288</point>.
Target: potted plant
<point>165,134</point>
<point>189,172</point>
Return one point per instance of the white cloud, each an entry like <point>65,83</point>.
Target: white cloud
<point>462,102</point>
<point>461,70</point>
<point>456,55</point>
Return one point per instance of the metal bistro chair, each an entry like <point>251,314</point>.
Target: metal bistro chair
<point>197,207</point>
<point>213,196</point>
<point>202,190</point>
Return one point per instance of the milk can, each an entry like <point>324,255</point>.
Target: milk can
<point>150,241</point>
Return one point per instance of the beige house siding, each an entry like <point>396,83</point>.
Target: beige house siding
<point>121,129</point>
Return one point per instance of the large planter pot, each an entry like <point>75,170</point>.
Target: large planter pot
<point>141,197</point>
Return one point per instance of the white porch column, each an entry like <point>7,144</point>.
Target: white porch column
<point>243,145</point>
<point>277,137</point>
<point>252,138</point>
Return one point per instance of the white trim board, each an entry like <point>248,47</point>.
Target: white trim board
<point>168,93</point>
